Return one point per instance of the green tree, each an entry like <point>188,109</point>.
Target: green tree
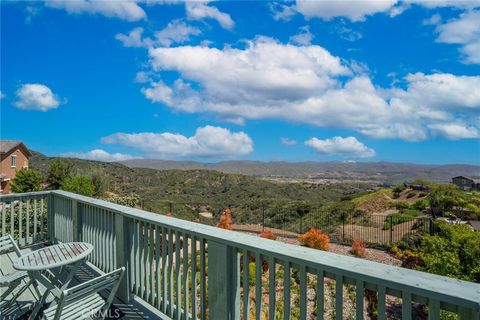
<point>59,171</point>
<point>79,184</point>
<point>442,198</point>
<point>26,180</point>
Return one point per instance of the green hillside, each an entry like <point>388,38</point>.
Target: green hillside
<point>188,192</point>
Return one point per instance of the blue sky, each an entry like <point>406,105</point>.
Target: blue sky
<point>298,81</point>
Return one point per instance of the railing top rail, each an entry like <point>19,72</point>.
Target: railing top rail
<point>15,196</point>
<point>463,293</point>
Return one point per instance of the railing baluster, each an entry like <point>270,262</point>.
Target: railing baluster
<point>178,245</point>
<point>12,218</point>
<point>157,267</point>
<point>286,291</point>
<point>406,305</point>
<point>203,289</point>
<point>303,293</point>
<point>320,295</point>
<point>433,309</point>
<point>194,277</point>
<point>137,258</point>
<point>359,293</point>
<point>164,270</point>
<point>170,273</point>
<point>4,218</point>
<point>185,276</point>
<point>151,242</point>
<point>339,296</point>
<point>258,286</point>
<point>272,289</point>
<point>246,284</point>
<point>381,303</point>
<point>20,222</point>
<point>34,219</point>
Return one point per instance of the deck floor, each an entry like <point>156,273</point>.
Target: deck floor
<point>22,307</point>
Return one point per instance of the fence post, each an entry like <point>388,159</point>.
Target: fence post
<point>301,224</point>
<point>391,229</point>
<point>122,252</point>
<point>343,228</point>
<point>224,287</point>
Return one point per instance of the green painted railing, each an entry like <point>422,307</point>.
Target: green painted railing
<point>186,270</point>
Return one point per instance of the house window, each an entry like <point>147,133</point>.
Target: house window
<point>14,161</point>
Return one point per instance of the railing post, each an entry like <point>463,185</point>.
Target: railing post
<point>51,218</point>
<point>123,248</point>
<point>224,286</point>
<point>76,222</point>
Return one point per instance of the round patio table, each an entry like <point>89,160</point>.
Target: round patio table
<point>53,256</point>
<point>68,256</point>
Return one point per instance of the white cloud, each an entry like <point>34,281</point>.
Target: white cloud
<point>207,142</point>
<point>35,96</point>
<point>455,131</point>
<point>125,10</point>
<point>176,31</point>
<point>353,10</point>
<point>98,155</point>
<point>132,39</point>
<point>347,147</point>
<point>465,31</point>
<point>142,77</point>
<point>304,38</point>
<point>288,141</point>
<point>281,11</point>
<point>2,95</point>
<point>199,10</point>
<point>306,84</point>
<point>433,20</point>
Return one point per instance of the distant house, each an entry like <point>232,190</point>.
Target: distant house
<point>13,157</point>
<point>466,183</point>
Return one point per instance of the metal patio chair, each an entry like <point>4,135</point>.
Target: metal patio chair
<point>13,280</point>
<point>83,301</point>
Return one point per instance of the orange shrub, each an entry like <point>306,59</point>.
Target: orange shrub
<point>268,235</point>
<point>226,220</point>
<point>316,239</point>
<point>358,248</point>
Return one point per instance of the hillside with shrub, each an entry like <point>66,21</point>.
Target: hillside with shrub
<point>186,193</point>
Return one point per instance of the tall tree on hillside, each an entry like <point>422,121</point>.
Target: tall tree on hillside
<point>80,185</point>
<point>26,180</point>
<point>59,171</point>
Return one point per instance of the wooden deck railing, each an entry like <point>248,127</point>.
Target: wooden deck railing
<point>186,270</point>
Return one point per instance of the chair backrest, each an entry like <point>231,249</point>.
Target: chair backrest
<point>109,281</point>
<point>7,243</point>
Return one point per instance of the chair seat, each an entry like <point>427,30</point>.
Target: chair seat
<point>83,308</point>
<point>8,279</point>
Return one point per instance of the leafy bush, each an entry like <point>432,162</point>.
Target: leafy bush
<point>226,220</point>
<point>268,235</point>
<point>58,171</point>
<point>131,200</point>
<point>80,185</point>
<point>358,248</point>
<point>100,182</point>
<point>420,204</point>
<point>26,180</point>
<point>411,194</point>
<point>401,205</point>
<point>316,239</point>
<point>398,189</point>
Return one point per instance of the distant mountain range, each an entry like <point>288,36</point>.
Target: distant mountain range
<point>388,172</point>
